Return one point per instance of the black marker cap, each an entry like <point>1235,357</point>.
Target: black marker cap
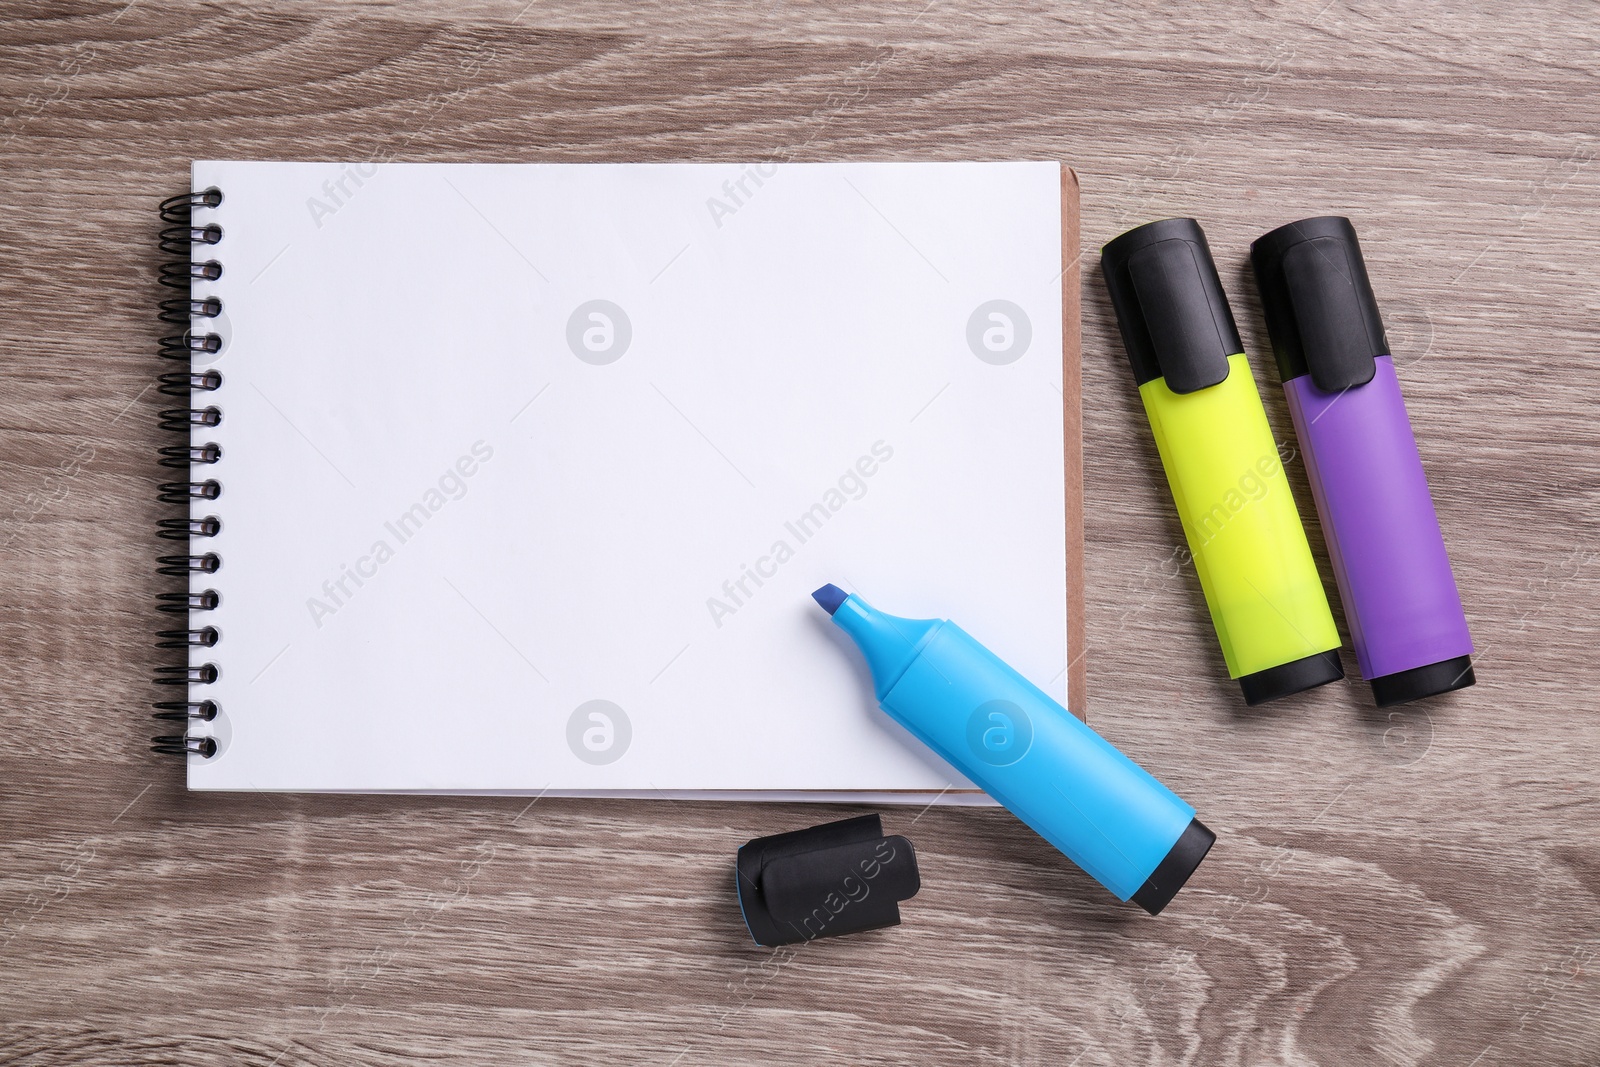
<point>1431,679</point>
<point>1175,867</point>
<point>837,878</point>
<point>1318,302</point>
<point>1296,676</point>
<point>1174,316</point>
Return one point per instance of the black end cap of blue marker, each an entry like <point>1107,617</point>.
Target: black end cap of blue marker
<point>1296,676</point>
<point>1175,868</point>
<point>838,878</point>
<point>830,597</point>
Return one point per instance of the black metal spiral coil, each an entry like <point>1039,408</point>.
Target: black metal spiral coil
<point>179,566</point>
<point>184,710</point>
<point>183,603</point>
<point>184,456</point>
<point>178,420</point>
<point>183,529</point>
<point>183,745</point>
<point>182,383</point>
<point>180,492</point>
<point>182,239</point>
<point>204,637</point>
<point>183,311</point>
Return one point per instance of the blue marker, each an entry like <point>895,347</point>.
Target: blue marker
<point>1105,812</point>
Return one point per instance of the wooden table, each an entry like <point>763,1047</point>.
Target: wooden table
<point>1408,887</point>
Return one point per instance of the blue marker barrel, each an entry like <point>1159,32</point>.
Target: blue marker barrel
<point>1072,787</point>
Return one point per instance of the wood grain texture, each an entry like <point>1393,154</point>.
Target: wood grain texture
<point>1416,887</point>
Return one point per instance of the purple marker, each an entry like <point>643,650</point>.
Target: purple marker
<point>1388,555</point>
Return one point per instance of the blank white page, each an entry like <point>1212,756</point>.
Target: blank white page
<point>529,470</point>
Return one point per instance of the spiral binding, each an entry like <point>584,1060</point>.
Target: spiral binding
<point>180,238</point>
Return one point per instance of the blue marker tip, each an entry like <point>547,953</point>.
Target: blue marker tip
<point>829,597</point>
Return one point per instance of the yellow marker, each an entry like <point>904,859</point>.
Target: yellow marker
<point>1222,464</point>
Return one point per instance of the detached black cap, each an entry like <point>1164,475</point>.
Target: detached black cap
<point>1318,302</point>
<point>838,878</point>
<point>1174,316</point>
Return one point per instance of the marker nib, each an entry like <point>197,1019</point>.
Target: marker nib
<point>829,597</point>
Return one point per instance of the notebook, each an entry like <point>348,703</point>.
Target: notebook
<point>517,478</point>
